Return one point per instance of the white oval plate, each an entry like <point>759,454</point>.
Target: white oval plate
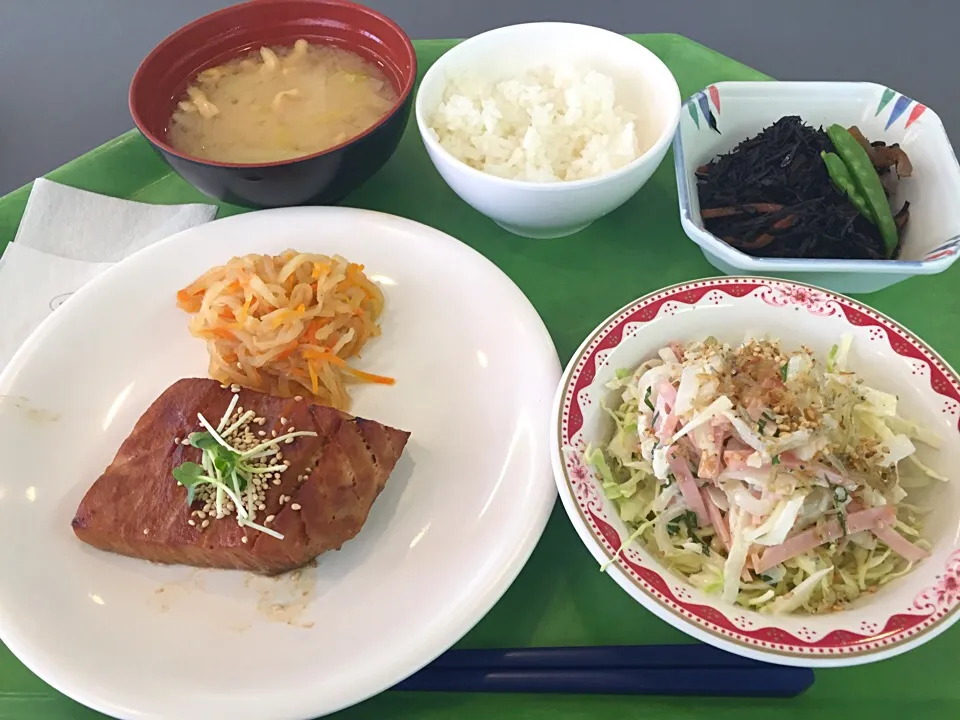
<point>476,371</point>
<point>901,615</point>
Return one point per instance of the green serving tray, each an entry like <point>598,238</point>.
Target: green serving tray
<point>561,597</point>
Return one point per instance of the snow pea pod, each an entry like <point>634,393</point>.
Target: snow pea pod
<point>867,181</point>
<point>841,177</point>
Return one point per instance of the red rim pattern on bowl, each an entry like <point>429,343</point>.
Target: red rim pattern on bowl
<point>931,607</point>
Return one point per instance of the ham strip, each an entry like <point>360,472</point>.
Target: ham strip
<point>885,533</point>
<point>721,431</point>
<point>667,428</point>
<point>716,519</point>
<point>709,467</point>
<point>711,459</point>
<point>737,459</point>
<point>688,442</point>
<point>736,443</point>
<point>723,532</point>
<point>689,489</point>
<point>669,394</point>
<point>899,544</point>
<point>755,409</point>
<point>804,542</point>
<point>666,399</point>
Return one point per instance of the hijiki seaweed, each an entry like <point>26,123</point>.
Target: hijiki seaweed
<point>773,197</point>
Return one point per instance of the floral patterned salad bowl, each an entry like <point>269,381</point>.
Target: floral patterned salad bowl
<point>901,614</point>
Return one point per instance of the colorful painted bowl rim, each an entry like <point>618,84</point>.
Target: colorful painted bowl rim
<point>402,97</point>
<point>936,261</point>
<point>663,140</point>
<point>935,607</point>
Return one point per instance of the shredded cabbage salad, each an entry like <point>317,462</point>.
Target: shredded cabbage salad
<point>774,480</point>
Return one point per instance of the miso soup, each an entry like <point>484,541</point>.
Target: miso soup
<point>280,103</point>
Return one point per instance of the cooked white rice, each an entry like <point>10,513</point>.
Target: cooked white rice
<point>545,125</point>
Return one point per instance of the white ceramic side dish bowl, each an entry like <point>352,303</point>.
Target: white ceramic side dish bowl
<point>645,87</point>
<point>900,615</point>
<point>740,110</point>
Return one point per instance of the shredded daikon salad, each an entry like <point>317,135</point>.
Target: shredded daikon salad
<point>770,478</point>
<point>286,324</point>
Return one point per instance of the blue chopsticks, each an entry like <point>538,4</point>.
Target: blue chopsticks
<point>686,670</point>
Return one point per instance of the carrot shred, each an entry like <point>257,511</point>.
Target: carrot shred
<point>280,318</point>
<point>314,381</point>
<point>288,352</point>
<point>245,310</point>
<point>315,326</point>
<point>369,377</point>
<point>354,274</point>
<point>190,302</point>
<point>328,356</point>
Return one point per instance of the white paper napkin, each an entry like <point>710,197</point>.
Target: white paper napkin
<point>66,238</point>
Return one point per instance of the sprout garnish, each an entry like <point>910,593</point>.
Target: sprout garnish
<point>230,470</point>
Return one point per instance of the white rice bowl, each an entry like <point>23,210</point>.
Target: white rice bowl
<point>547,124</point>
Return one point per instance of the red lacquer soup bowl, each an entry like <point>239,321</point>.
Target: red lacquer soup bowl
<point>321,178</point>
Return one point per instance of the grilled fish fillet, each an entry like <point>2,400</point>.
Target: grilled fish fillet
<point>136,508</point>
